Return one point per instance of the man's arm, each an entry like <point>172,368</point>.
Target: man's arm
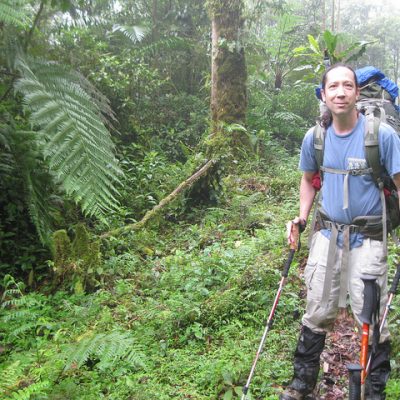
<point>307,194</point>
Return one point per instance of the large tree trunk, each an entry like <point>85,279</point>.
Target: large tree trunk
<point>228,73</point>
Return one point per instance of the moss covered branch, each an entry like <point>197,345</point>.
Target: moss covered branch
<point>165,201</point>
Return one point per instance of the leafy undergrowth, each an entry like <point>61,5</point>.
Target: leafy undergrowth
<point>178,314</point>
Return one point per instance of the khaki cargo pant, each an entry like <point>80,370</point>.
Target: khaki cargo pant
<point>367,259</point>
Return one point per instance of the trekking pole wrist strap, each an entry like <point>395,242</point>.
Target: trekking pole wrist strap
<point>302,224</point>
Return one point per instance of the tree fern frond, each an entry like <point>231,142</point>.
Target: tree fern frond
<point>6,159</point>
<point>171,43</point>
<point>56,75</point>
<point>78,146</point>
<point>14,13</point>
<point>26,155</point>
<point>134,33</point>
<point>105,347</point>
<point>39,204</point>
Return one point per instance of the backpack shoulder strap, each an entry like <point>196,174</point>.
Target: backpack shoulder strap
<point>319,144</point>
<point>371,144</point>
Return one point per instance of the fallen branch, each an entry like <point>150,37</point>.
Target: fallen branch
<point>166,200</point>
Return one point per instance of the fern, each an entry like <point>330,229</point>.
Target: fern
<point>9,377</point>
<point>14,13</point>
<point>107,348</point>
<point>169,44</point>
<point>134,33</point>
<point>21,156</point>
<point>27,392</point>
<point>78,146</point>
<point>20,313</point>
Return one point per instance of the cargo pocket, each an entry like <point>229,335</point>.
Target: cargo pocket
<point>375,259</point>
<point>309,273</point>
<point>314,276</point>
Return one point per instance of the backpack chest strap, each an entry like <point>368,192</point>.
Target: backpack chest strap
<point>346,173</point>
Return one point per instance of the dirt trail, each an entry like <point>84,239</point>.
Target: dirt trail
<point>342,348</point>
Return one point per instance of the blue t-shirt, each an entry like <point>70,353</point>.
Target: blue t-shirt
<point>347,152</point>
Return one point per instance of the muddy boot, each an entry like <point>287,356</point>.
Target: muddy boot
<point>379,373</point>
<point>306,365</point>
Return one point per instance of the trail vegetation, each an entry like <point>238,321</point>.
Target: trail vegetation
<point>148,166</point>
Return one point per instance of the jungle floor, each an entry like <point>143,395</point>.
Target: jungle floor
<point>342,348</point>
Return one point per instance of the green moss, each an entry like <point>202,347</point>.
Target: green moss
<point>62,252</point>
<point>221,8</point>
<point>87,257</point>
<point>81,243</point>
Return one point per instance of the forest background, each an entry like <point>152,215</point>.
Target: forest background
<point>148,164</point>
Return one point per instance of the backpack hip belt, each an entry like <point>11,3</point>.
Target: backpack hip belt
<point>369,226</point>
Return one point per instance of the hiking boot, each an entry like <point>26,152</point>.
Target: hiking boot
<point>379,374</point>
<point>291,394</point>
<point>305,365</point>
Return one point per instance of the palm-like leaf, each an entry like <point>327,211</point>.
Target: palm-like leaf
<point>134,33</point>
<point>13,13</point>
<point>77,146</point>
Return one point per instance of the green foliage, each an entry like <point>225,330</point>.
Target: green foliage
<point>393,389</point>
<point>103,349</point>
<point>34,389</point>
<point>78,146</point>
<point>176,310</point>
<point>134,33</point>
<point>14,13</point>
<point>76,264</point>
<point>25,188</point>
<point>314,55</point>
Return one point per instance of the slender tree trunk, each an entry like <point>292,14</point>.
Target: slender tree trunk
<point>154,18</point>
<point>214,52</point>
<point>323,15</point>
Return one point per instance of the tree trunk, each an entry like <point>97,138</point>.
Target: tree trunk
<point>228,74</point>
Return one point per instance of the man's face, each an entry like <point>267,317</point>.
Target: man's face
<point>340,93</point>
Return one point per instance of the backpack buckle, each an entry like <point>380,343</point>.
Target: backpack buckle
<point>356,172</point>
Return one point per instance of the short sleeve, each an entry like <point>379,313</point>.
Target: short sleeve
<point>389,144</point>
<point>308,162</point>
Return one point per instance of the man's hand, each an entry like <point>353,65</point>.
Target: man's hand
<point>300,222</point>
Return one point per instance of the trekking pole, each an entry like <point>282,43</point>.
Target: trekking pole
<point>284,275</point>
<point>392,292</point>
<point>369,306</point>
<point>354,381</point>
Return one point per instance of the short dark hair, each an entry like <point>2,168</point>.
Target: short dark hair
<point>334,66</point>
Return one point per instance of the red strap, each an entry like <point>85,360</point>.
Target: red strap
<point>316,181</point>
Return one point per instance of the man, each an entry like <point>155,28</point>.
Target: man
<point>343,249</point>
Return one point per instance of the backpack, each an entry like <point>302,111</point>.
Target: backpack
<point>377,104</point>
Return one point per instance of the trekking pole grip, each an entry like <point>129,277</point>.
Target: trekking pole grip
<point>293,247</point>
<point>354,381</point>
<point>395,283</point>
